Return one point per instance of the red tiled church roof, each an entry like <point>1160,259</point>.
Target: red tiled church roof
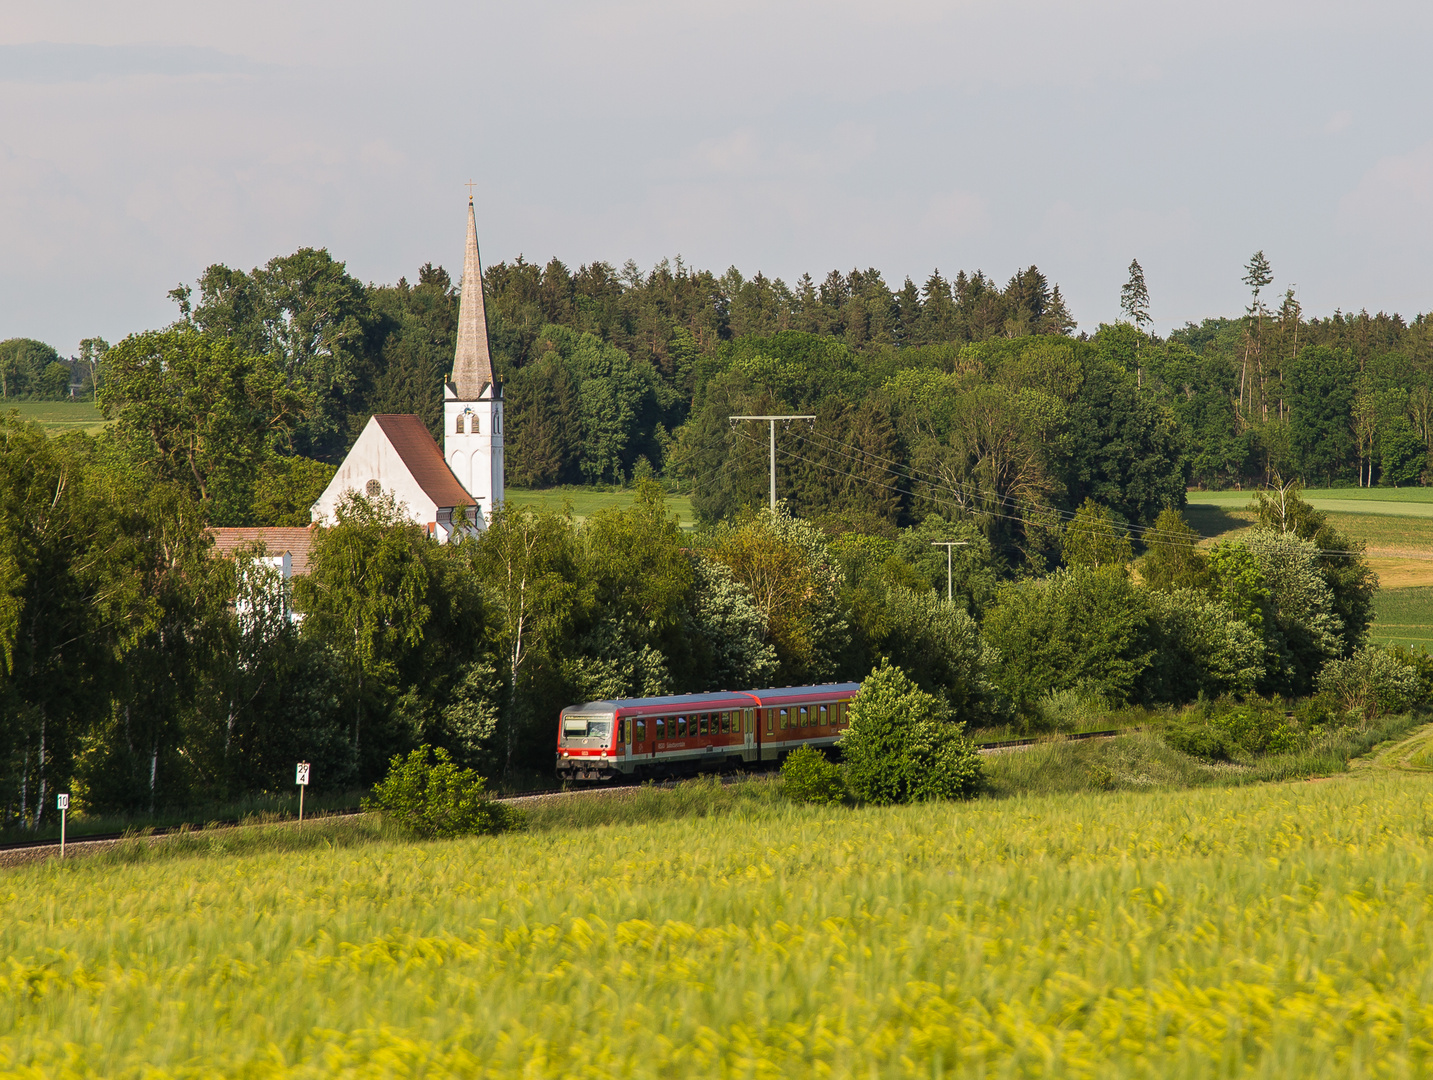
<point>297,542</point>
<point>414,444</point>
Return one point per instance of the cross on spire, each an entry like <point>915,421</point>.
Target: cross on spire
<point>470,185</point>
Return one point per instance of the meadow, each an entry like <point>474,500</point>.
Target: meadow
<point>59,417</point>
<point>586,501</point>
<point>1269,930</point>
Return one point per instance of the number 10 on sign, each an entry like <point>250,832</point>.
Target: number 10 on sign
<point>62,803</point>
<point>301,779</point>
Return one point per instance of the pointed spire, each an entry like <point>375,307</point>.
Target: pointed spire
<point>473,364</point>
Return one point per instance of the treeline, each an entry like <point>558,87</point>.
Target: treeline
<point>33,371</point>
<point>138,670</point>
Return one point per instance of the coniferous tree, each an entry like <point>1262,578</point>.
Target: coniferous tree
<point>1134,296</point>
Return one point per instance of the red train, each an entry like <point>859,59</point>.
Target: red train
<point>687,733</point>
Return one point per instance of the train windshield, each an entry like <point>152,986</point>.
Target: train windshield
<point>596,728</point>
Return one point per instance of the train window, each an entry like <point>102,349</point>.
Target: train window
<point>641,731</point>
<point>726,723</point>
<point>770,722</point>
<point>702,729</point>
<point>822,719</point>
<point>805,719</point>
<point>661,727</point>
<point>681,727</point>
<point>783,719</point>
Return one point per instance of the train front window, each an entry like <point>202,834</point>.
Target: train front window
<point>592,730</point>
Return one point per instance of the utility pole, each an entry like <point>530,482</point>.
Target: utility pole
<point>772,420</point>
<point>949,575</point>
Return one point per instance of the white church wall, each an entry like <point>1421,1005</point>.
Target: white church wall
<point>374,459</point>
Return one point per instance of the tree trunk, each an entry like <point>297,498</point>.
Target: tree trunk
<point>40,780</point>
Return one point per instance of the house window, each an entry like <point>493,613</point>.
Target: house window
<point>373,488</point>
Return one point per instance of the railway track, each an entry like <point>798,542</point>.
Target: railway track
<point>234,823</point>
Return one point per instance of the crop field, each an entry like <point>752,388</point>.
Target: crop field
<point>59,417</point>
<point>1274,930</point>
<point>1404,616</point>
<point>587,501</point>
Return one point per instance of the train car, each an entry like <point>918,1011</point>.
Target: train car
<point>690,733</point>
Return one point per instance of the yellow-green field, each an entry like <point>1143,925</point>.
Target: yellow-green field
<point>1278,930</point>
<point>59,417</point>
<point>587,501</point>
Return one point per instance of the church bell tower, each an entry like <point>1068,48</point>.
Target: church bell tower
<point>472,397</point>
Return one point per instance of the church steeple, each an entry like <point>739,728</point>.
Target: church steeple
<point>472,400</point>
<point>473,364</point>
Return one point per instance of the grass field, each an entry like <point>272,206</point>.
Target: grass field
<point>1273,930</point>
<point>59,417</point>
<point>587,501</point>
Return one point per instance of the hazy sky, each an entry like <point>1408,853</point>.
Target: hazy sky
<point>140,142</point>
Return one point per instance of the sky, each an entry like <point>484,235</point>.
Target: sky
<point>141,142</point>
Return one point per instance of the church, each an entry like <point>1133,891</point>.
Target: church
<point>463,481</point>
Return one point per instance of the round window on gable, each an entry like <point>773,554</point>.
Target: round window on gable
<point>374,489</point>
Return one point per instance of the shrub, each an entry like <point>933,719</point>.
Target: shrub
<point>435,799</point>
<point>1102,777</point>
<point>901,747</point>
<point>1226,732</point>
<point>1198,740</point>
<point>1371,682</point>
<point>1079,628</point>
<point>808,776</point>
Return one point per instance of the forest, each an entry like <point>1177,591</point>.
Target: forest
<point>137,670</point>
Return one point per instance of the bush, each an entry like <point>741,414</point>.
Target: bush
<point>1371,682</point>
<point>901,747</point>
<point>1226,732</point>
<point>807,776</point>
<point>1198,740</point>
<point>437,799</point>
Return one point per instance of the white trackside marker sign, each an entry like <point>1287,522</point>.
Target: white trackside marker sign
<point>301,779</point>
<point>62,803</point>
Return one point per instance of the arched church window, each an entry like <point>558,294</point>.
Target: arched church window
<point>460,424</point>
<point>374,488</point>
<point>475,427</point>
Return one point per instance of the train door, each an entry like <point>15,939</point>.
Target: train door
<point>748,728</point>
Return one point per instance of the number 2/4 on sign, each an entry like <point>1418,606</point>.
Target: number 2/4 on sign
<point>301,779</point>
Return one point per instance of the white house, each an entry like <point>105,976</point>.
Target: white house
<point>395,454</point>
